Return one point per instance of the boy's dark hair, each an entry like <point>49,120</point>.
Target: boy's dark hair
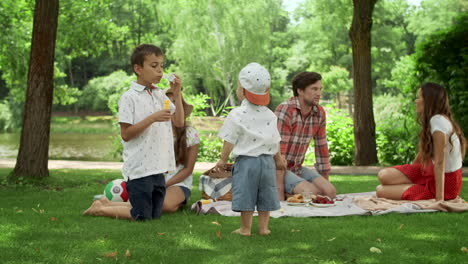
<point>304,79</point>
<point>139,53</point>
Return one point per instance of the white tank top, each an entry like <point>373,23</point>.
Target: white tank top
<point>453,160</point>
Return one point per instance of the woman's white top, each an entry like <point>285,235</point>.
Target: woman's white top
<point>192,140</point>
<point>453,159</point>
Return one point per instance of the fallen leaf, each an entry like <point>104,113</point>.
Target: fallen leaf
<point>464,249</point>
<point>218,234</point>
<point>216,223</point>
<point>331,239</point>
<point>19,211</point>
<point>127,253</point>
<point>53,219</point>
<point>375,250</point>
<point>111,254</point>
<point>160,234</point>
<point>401,226</point>
<point>34,210</point>
<point>379,240</point>
<point>295,230</point>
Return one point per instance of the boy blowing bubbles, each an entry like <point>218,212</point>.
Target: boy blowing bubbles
<point>146,131</point>
<point>250,132</point>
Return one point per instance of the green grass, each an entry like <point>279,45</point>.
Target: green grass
<point>43,224</point>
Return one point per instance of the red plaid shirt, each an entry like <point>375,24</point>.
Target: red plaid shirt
<point>297,132</point>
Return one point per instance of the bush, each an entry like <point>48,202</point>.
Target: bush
<point>396,129</point>
<point>199,102</point>
<point>210,148</point>
<point>98,92</point>
<point>340,135</point>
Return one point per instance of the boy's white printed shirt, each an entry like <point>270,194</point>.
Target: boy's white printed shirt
<point>252,129</point>
<point>152,151</point>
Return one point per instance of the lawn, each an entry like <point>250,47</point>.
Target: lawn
<point>43,224</point>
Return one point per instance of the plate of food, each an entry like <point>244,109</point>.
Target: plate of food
<point>322,201</point>
<point>295,200</point>
<point>296,204</point>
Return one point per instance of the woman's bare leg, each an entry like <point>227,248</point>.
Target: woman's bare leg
<point>106,202</point>
<point>173,199</point>
<point>392,176</point>
<point>118,212</point>
<point>393,192</point>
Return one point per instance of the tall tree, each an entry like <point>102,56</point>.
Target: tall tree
<point>34,144</point>
<point>364,124</point>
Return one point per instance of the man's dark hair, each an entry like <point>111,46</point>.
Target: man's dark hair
<point>304,79</point>
<point>139,53</point>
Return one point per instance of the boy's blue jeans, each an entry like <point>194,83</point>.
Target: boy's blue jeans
<point>146,196</point>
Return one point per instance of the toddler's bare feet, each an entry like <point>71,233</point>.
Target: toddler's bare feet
<point>241,232</point>
<point>265,232</point>
<point>94,208</point>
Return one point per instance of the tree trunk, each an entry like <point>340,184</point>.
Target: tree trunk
<point>364,124</point>
<point>33,152</point>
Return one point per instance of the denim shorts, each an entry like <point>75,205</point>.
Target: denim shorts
<point>291,179</point>
<point>187,192</point>
<point>146,195</point>
<point>254,184</point>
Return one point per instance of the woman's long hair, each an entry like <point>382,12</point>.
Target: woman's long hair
<point>436,102</point>
<point>180,145</point>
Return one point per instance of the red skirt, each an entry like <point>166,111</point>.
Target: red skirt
<point>424,182</point>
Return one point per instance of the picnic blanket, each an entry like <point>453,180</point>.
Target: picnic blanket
<point>351,204</point>
<point>215,187</point>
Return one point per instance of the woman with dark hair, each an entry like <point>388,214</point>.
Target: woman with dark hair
<point>436,171</point>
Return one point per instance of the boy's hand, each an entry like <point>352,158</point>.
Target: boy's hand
<point>176,85</point>
<point>162,116</point>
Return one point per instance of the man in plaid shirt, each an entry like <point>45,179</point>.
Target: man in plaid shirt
<point>300,119</point>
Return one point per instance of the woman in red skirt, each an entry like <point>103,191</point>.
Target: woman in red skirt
<point>436,171</point>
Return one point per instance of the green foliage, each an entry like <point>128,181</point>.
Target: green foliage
<point>199,102</point>
<point>396,129</point>
<point>340,136</point>
<point>5,117</point>
<point>210,148</point>
<point>434,15</point>
<point>443,59</point>
<point>102,93</point>
<point>215,39</point>
<point>403,78</point>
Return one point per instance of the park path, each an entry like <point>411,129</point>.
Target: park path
<point>199,166</point>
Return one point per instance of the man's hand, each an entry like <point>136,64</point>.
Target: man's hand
<point>220,166</point>
<point>161,116</point>
<point>280,161</point>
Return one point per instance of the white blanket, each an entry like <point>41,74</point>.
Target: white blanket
<point>342,208</point>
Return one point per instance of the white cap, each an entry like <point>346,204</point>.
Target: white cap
<point>255,80</point>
